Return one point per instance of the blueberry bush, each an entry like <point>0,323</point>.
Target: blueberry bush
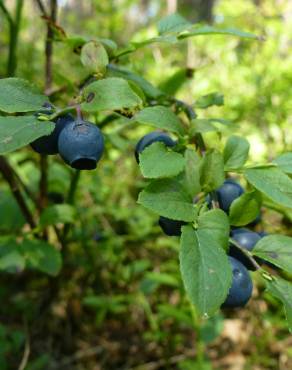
<point>208,195</point>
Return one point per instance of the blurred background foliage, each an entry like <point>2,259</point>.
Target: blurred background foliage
<point>119,302</point>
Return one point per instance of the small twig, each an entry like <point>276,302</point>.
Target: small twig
<point>246,253</point>
<point>8,174</point>
<point>26,352</point>
<point>43,185</point>
<point>71,198</point>
<point>6,12</point>
<point>191,114</point>
<point>79,113</point>
<point>25,188</point>
<point>42,7</point>
<point>49,45</point>
<point>43,181</point>
<point>59,113</point>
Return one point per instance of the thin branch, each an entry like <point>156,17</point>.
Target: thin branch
<point>42,7</point>
<point>43,186</point>
<point>49,45</point>
<point>14,31</point>
<point>71,198</point>
<point>6,12</point>
<point>26,353</point>
<point>246,253</point>
<point>43,181</point>
<point>73,187</point>
<point>8,174</point>
<point>25,188</point>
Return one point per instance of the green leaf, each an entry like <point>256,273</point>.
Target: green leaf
<point>235,152</point>
<point>164,39</point>
<point>284,162</point>
<point>11,260</point>
<point>204,265</point>
<point>42,256</point>
<point>282,290</point>
<point>158,161</point>
<point>168,198</point>
<point>160,117</point>
<point>16,132</point>
<point>218,222</point>
<point>244,209</point>
<point>212,170</point>
<point>276,249</point>
<point>109,94</point>
<point>162,278</point>
<point>198,30</point>
<point>18,95</point>
<point>149,90</point>
<point>192,172</point>
<point>11,218</point>
<point>203,125</point>
<point>272,182</point>
<point>94,57</point>
<point>59,213</point>
<point>173,23</point>
<point>110,45</point>
<point>209,100</point>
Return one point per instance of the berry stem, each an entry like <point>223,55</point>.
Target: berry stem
<point>71,198</point>
<point>198,140</point>
<point>246,253</point>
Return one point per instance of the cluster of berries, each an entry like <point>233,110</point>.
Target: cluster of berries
<point>241,287</point>
<point>79,143</point>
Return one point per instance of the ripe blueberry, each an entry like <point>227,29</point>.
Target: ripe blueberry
<point>170,227</point>
<point>263,234</point>
<point>227,193</point>
<point>151,138</point>
<point>49,144</point>
<point>241,287</point>
<point>246,239</point>
<point>81,145</point>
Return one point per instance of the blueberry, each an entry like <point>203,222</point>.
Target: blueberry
<point>49,144</point>
<point>246,239</point>
<point>227,193</point>
<point>241,286</point>
<point>263,233</point>
<point>151,138</point>
<point>171,227</point>
<point>81,145</point>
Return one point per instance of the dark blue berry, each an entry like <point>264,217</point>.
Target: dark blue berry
<point>246,239</point>
<point>170,227</point>
<point>151,138</point>
<point>81,145</point>
<point>49,144</point>
<point>227,193</point>
<point>241,286</point>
